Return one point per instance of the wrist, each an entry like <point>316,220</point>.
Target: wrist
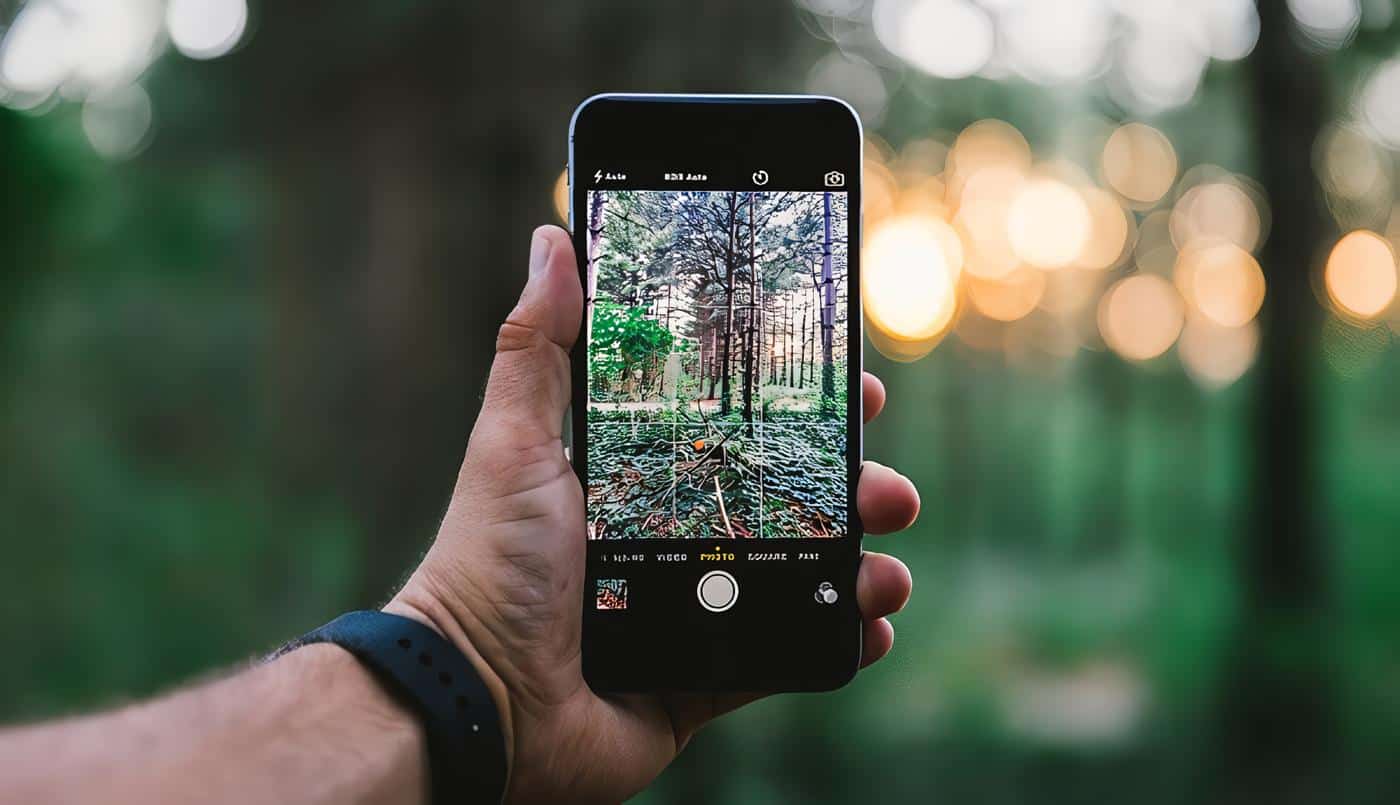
<point>430,612</point>
<point>352,714</point>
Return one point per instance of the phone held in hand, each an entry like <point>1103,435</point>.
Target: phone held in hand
<point>716,420</point>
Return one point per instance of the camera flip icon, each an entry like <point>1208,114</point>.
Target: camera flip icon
<point>835,179</point>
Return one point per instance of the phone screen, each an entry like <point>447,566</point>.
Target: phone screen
<point>716,411</point>
<point>717,358</point>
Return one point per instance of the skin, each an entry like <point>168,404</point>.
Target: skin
<point>502,580</point>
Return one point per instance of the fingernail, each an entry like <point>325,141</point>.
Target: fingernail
<point>540,247</point>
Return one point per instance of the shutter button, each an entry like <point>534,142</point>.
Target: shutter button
<point>717,591</point>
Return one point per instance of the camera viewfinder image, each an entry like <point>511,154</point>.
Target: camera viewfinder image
<point>717,364</point>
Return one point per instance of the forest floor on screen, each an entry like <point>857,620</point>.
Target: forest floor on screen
<point>717,362</point>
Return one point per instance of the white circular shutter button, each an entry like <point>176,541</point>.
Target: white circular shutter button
<point>717,591</point>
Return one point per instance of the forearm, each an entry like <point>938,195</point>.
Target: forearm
<point>312,726</point>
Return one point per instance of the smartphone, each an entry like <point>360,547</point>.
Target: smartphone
<point>716,423</point>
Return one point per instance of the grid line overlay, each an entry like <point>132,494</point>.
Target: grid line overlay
<point>672,394</point>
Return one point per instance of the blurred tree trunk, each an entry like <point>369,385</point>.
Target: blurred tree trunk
<point>1278,715</point>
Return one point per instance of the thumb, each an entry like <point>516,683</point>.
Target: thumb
<point>528,390</point>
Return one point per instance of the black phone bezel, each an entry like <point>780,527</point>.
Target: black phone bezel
<point>796,139</point>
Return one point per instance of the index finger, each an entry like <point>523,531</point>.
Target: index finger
<point>872,395</point>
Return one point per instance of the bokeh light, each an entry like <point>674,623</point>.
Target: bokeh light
<point>1048,223</point>
<point>1161,69</point>
<point>1154,252</point>
<point>96,52</point>
<point>854,81</point>
<point>1217,210</point>
<point>1140,317</point>
<point>1361,274</point>
<point>878,191</point>
<point>982,227</point>
<point>909,277</point>
<point>1356,175</point>
<point>1009,298</point>
<point>1070,291</point>
<point>985,144</point>
<point>1216,356</point>
<point>1380,103</point>
<point>982,220</point>
<point>1327,23</point>
<point>117,123</point>
<point>1054,43</point>
<point>206,29</point>
<point>1222,281</point>
<point>945,38</point>
<point>35,55</point>
<point>1111,230</point>
<point>111,43</point>
<point>561,196</point>
<point>923,156</point>
<point>1139,163</point>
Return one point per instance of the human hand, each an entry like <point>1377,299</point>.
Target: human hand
<point>503,579</point>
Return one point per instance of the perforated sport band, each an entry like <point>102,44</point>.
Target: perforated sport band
<point>427,674</point>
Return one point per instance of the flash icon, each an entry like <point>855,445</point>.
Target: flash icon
<point>597,177</point>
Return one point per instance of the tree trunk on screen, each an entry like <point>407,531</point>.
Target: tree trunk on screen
<point>786,332</point>
<point>714,361</point>
<point>789,323</point>
<point>730,265</point>
<point>750,335</point>
<point>1277,730</point>
<point>773,345</point>
<point>596,201</point>
<point>802,353</point>
<point>828,307</point>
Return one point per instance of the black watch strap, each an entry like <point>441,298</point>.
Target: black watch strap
<point>426,673</point>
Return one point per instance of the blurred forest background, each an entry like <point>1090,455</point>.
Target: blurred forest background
<point>255,257</point>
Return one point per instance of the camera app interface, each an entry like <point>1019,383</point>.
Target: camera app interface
<point>717,352</point>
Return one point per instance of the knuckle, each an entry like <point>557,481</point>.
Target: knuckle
<point>515,336</point>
